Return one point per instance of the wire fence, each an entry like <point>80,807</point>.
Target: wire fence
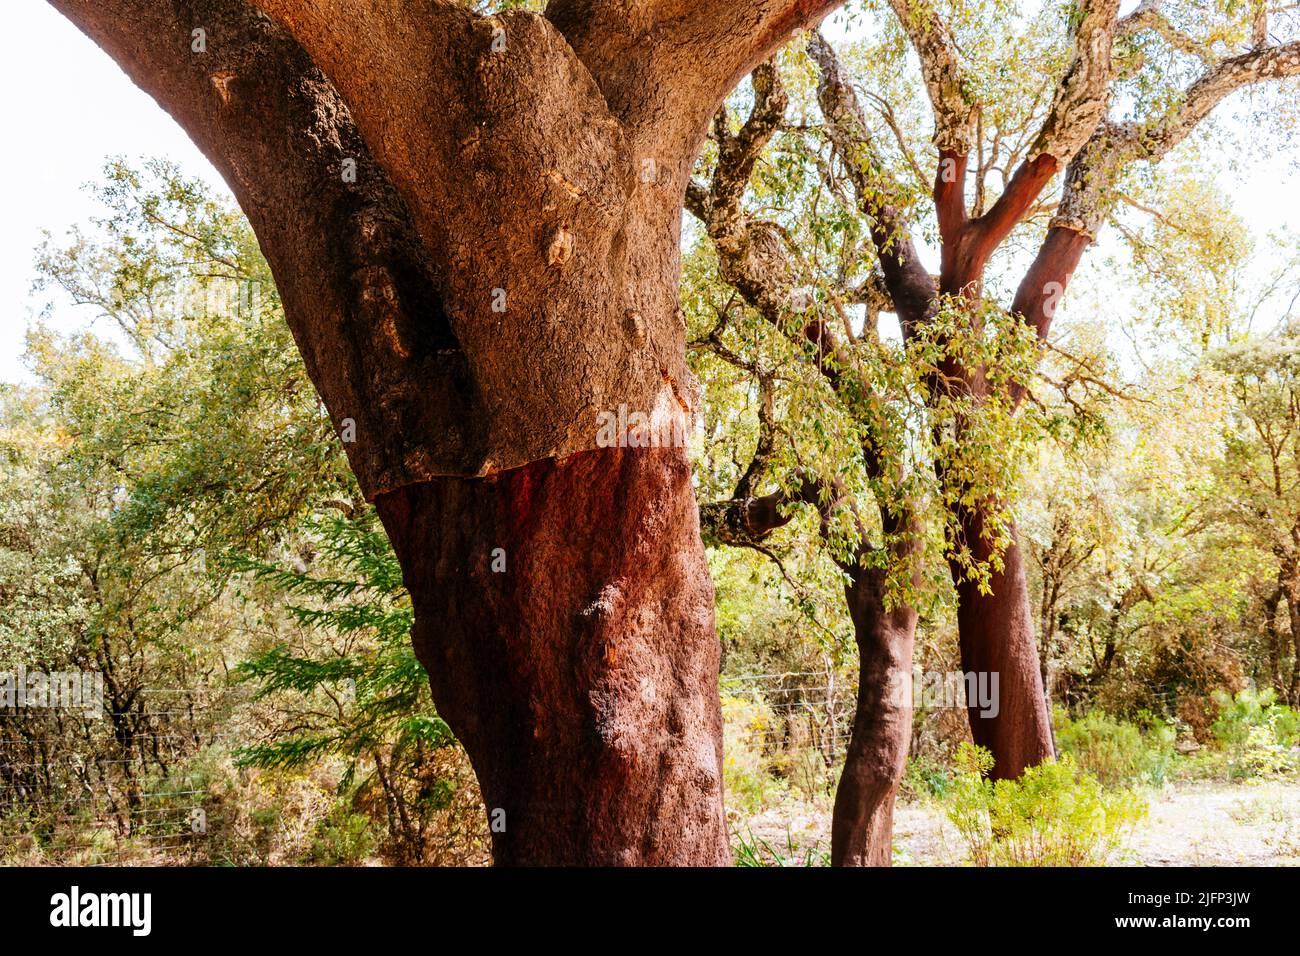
<point>114,789</point>
<point>110,787</point>
<point>794,724</point>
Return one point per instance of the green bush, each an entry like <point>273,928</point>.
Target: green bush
<point>1055,815</point>
<point>1114,751</point>
<point>343,838</point>
<point>925,778</point>
<point>747,726</point>
<point>1258,734</point>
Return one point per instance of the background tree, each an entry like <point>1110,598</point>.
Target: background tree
<point>1259,480</point>
<point>843,425</point>
<point>1155,592</point>
<point>133,475</point>
<point>170,511</point>
<point>992,173</point>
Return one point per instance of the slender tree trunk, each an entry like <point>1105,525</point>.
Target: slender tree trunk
<point>564,613</point>
<point>862,825</point>
<point>1291,589</point>
<point>1047,626</point>
<point>1271,608</point>
<point>875,758</point>
<point>996,634</point>
<point>996,629</point>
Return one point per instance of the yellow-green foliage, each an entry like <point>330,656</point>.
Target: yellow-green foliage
<point>1055,815</point>
<point>1113,751</point>
<point>1258,734</point>
<point>747,726</point>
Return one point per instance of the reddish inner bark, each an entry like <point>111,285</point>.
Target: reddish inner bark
<point>996,633</point>
<point>582,679</point>
<point>996,630</point>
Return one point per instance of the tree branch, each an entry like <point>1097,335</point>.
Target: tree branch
<point>909,284</point>
<point>753,255</point>
<point>1150,17</point>
<point>1093,175</point>
<point>1082,95</point>
<point>737,154</point>
<point>664,66</point>
<point>954,109</point>
<point>1079,104</point>
<point>747,521</point>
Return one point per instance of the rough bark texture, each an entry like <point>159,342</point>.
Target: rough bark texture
<point>862,826</point>
<point>996,634</point>
<point>474,224</point>
<point>503,267</point>
<point>954,107</point>
<point>582,678</point>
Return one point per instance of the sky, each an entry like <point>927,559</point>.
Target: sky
<point>71,108</point>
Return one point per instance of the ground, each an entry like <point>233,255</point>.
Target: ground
<point>1256,823</point>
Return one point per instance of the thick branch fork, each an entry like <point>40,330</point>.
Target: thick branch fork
<point>492,203</point>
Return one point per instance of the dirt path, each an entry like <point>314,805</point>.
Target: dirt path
<point>1249,824</point>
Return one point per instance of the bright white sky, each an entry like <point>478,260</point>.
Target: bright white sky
<point>71,107</point>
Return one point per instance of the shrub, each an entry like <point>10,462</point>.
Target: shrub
<point>1055,815</point>
<point>926,777</point>
<point>344,838</point>
<point>747,726</point>
<point>804,770</point>
<point>1258,734</point>
<point>1114,751</point>
<point>358,695</point>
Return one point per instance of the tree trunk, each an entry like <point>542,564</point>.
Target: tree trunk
<point>996,634</point>
<point>1271,607</point>
<point>1291,589</point>
<point>474,227</point>
<point>862,826</point>
<point>564,613</point>
<point>1047,625</point>
<point>876,756</point>
<point>996,629</point>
